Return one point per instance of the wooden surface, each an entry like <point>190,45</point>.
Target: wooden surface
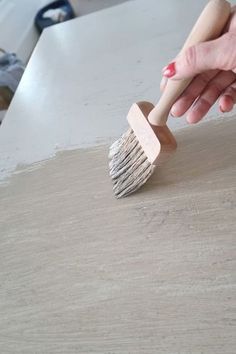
<point>81,272</point>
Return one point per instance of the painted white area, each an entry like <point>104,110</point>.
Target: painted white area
<point>84,7</point>
<point>84,75</point>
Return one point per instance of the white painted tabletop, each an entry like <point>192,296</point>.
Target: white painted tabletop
<point>84,75</point>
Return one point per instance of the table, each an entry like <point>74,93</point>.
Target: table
<point>84,75</point>
<point>81,272</point>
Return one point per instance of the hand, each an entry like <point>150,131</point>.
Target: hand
<point>213,66</point>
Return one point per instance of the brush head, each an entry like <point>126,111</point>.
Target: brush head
<point>134,156</point>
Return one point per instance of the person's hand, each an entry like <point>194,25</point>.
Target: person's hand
<point>213,66</point>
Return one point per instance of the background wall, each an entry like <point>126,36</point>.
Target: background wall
<point>17,32</point>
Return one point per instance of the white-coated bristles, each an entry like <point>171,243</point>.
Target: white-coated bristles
<point>129,166</point>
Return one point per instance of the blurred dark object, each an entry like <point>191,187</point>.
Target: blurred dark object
<point>11,71</point>
<point>56,12</point>
<point>5,98</point>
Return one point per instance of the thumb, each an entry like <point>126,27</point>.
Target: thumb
<point>216,54</point>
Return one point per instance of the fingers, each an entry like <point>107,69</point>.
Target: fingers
<point>228,98</point>
<point>199,61</point>
<point>226,103</point>
<point>210,94</point>
<point>195,88</point>
<point>231,25</point>
<point>217,54</point>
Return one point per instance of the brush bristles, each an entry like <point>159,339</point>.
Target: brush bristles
<point>129,166</point>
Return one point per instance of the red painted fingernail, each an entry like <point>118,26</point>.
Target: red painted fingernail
<point>170,70</point>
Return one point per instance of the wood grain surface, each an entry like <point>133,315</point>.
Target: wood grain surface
<point>81,272</point>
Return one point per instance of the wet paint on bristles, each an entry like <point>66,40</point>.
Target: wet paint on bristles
<point>129,166</point>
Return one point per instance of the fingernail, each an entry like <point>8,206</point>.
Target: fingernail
<point>221,109</point>
<point>170,70</point>
<point>172,112</point>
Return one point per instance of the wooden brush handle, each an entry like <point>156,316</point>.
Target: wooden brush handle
<point>209,26</point>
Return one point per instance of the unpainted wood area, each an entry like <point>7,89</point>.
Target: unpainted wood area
<point>81,272</point>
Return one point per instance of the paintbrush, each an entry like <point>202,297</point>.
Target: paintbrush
<point>149,142</point>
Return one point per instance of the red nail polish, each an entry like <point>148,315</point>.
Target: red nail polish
<point>170,70</point>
